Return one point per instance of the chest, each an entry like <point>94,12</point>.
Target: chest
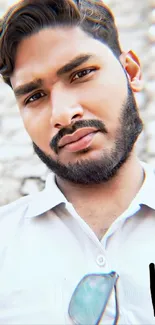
<point>42,266</point>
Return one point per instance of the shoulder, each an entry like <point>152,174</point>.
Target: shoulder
<point>34,204</point>
<point>15,208</point>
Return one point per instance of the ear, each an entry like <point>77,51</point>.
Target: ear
<point>132,66</point>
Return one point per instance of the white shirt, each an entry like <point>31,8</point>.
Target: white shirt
<point>46,249</point>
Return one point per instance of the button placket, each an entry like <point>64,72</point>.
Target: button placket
<point>101,260</point>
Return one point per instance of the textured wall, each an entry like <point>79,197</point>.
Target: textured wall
<point>21,172</point>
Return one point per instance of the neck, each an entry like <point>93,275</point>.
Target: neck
<point>100,204</point>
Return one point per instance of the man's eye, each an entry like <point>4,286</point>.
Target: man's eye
<point>82,73</point>
<point>34,97</point>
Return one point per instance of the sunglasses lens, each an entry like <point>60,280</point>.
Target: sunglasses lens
<point>90,298</point>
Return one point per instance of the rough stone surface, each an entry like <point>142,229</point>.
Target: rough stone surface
<point>10,189</point>
<point>21,172</point>
<point>31,186</point>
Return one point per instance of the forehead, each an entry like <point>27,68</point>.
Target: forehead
<point>52,48</point>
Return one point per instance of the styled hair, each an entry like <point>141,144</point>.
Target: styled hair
<point>26,17</point>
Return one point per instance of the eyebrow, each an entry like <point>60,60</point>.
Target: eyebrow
<point>27,88</point>
<point>34,85</point>
<point>74,63</point>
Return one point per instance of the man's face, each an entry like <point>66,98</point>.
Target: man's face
<point>82,119</point>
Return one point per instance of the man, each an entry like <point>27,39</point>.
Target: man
<point>79,251</point>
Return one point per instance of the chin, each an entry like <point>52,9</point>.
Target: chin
<point>88,153</point>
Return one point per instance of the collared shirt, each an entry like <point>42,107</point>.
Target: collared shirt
<point>46,248</point>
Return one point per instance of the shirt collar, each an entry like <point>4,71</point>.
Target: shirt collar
<point>146,195</point>
<point>45,200</point>
<point>51,196</point>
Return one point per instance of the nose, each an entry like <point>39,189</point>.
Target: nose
<point>65,110</point>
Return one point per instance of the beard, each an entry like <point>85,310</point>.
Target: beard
<point>97,171</point>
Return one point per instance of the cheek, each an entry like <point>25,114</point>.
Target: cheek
<point>105,98</point>
<point>36,123</point>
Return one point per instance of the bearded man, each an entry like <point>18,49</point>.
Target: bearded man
<point>79,251</point>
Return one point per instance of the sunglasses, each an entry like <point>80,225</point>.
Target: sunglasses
<point>90,299</point>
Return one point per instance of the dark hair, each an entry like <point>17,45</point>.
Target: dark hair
<point>26,17</point>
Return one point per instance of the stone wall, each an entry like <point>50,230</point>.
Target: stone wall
<point>21,172</point>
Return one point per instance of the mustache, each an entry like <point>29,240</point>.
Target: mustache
<point>99,125</point>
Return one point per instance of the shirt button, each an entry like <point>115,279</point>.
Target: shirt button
<point>100,260</point>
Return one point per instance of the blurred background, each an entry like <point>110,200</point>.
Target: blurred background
<point>21,172</point>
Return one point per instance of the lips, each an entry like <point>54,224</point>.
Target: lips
<point>76,136</point>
